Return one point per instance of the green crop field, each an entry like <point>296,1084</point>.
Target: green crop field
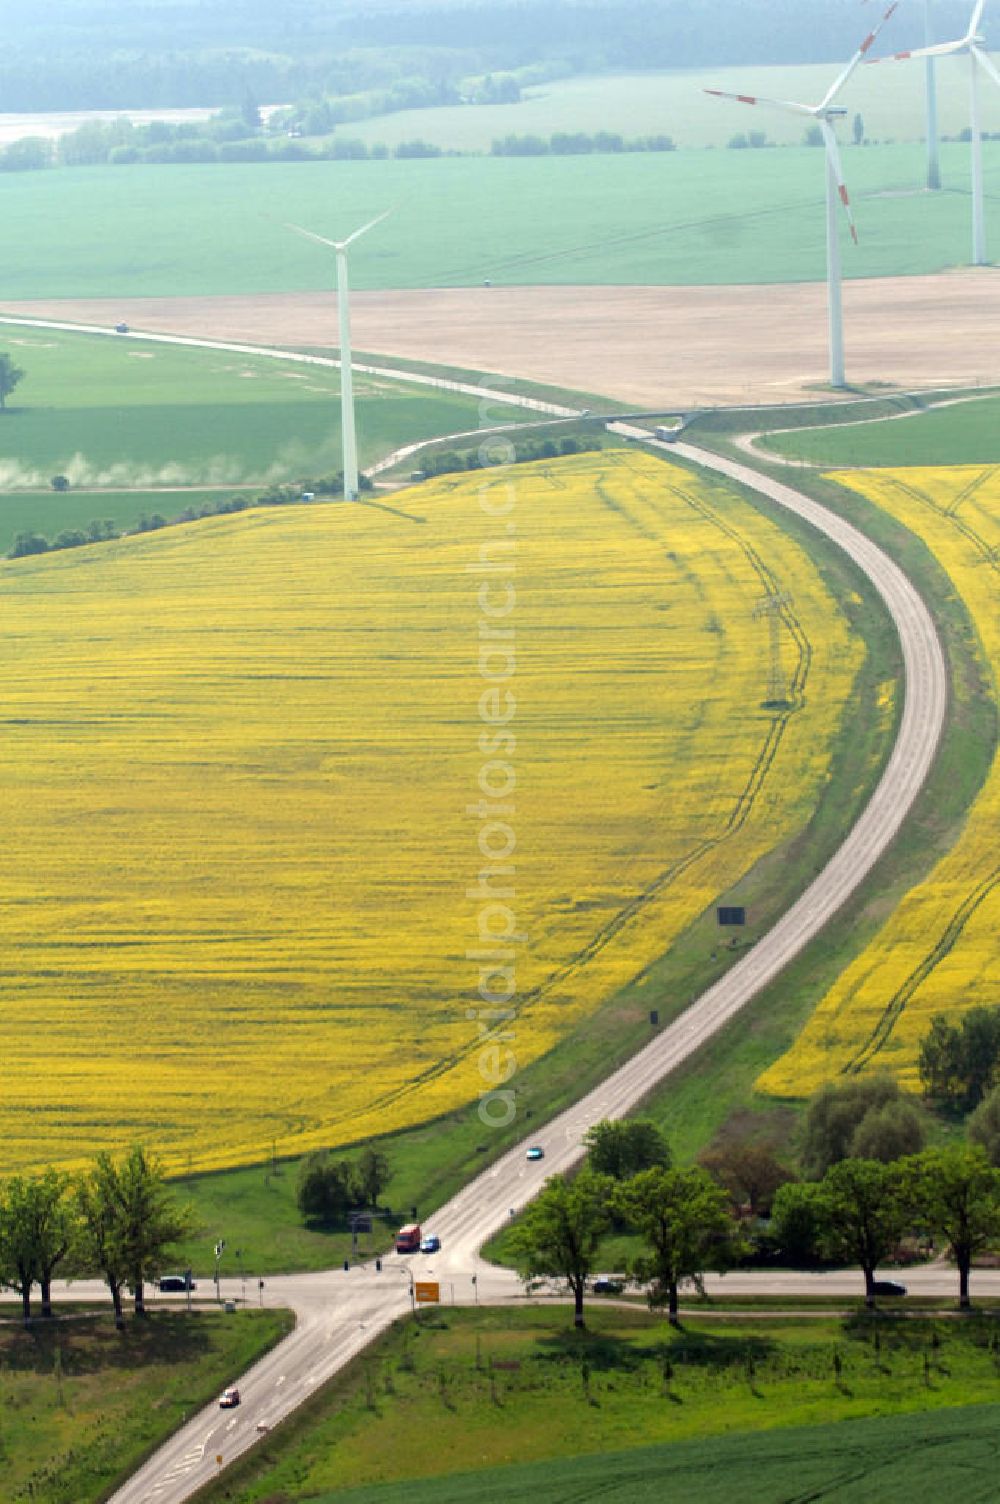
<point>958,433</point>
<point>890,102</point>
<point>888,1458</point>
<point>645,218</point>
<point>143,427</point>
<point>466,1389</point>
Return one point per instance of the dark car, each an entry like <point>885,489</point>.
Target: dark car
<point>888,1287</point>
<point>121,328</point>
<point>229,1398</point>
<point>605,1285</point>
<point>430,1244</point>
<point>177,1282</point>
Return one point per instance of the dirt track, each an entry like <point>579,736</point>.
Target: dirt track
<point>651,346</point>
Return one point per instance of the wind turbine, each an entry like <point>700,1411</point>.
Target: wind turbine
<point>978,59</point>
<point>824,114</point>
<point>930,93</point>
<point>930,90</point>
<point>348,431</point>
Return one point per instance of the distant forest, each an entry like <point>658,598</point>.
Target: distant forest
<point>133,54</point>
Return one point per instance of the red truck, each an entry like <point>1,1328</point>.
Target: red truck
<point>408,1238</point>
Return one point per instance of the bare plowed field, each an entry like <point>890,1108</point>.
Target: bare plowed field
<point>651,346</point>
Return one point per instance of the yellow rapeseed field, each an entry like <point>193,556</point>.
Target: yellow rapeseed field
<point>938,952</point>
<point>250,766</point>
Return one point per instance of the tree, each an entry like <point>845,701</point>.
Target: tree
<point>100,1245</point>
<point>151,1220</point>
<point>684,1219</point>
<point>621,1148</point>
<point>864,1212</point>
<point>798,1219</point>
<point>28,543</point>
<point>36,1229</point>
<point>940,1061</point>
<point>958,1063</point>
<point>373,1175</point>
<point>751,1173</point>
<point>836,1113</point>
<point>250,112</point>
<point>984,1126</point>
<point>980,1053</point>
<point>955,1191</point>
<point>10,375</point>
<point>128,1222</point>
<point>560,1231</point>
<point>890,1132</point>
<point>326,1189</point>
<point>52,1227</point>
<point>18,1264</point>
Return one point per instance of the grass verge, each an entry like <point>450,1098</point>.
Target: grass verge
<point>477,1390</point>
<point>82,1403</point>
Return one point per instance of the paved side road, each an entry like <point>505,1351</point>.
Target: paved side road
<point>486,394</point>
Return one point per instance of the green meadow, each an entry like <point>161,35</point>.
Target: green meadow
<point>465,1391</point>
<point>695,216</point>
<point>82,1404</point>
<point>964,432</point>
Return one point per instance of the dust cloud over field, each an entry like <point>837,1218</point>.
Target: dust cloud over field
<point>648,346</point>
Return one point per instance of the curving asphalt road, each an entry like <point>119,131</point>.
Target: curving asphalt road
<point>338,1313</point>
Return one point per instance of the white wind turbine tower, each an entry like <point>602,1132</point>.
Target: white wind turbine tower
<point>348,431</point>
<point>824,114</point>
<point>930,90</point>
<point>930,87</point>
<point>978,60</point>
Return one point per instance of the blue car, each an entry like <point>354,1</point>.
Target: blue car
<point>431,1244</point>
<point>535,1152</point>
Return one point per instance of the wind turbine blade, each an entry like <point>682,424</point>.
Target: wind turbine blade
<point>985,62</point>
<point>940,49</point>
<point>311,235</point>
<point>833,153</point>
<point>858,57</point>
<point>977,16</point>
<point>777,104</point>
<point>364,229</point>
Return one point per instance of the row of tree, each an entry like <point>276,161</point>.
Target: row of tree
<point>105,530</point>
<point>117,1220</point>
<point>36,153</point>
<point>578,143</point>
<point>450,461</point>
<point>687,1224</point>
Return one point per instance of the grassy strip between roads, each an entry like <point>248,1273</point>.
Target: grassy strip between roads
<point>965,432</point>
<point>82,1404</point>
<point>463,1390</point>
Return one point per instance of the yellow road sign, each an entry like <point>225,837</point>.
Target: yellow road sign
<point>427,1292</point>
